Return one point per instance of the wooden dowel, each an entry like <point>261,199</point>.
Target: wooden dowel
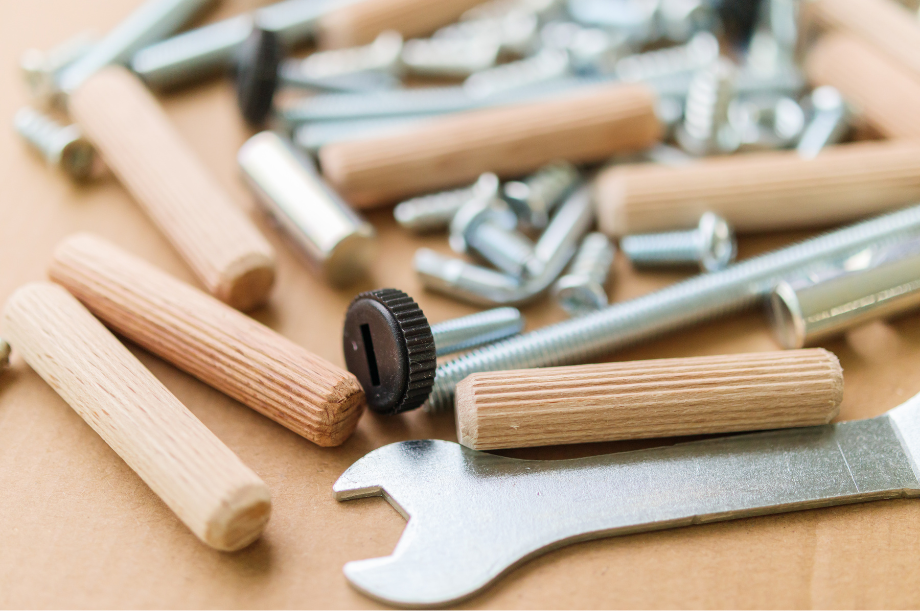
<point>510,141</point>
<point>218,345</point>
<point>147,154</point>
<point>359,23</point>
<point>761,191</point>
<point>209,488</point>
<point>642,399</point>
<point>885,94</point>
<point>884,24</point>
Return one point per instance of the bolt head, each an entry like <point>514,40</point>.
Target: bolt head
<point>717,242</point>
<point>578,297</point>
<point>484,206</point>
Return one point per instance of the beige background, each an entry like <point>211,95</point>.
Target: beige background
<point>79,529</point>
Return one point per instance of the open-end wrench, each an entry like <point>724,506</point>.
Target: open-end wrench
<point>472,515</point>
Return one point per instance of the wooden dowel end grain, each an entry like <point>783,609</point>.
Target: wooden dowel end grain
<point>359,23</point>
<point>885,94</point>
<point>148,155</point>
<point>209,488</point>
<point>643,399</point>
<point>580,127</point>
<point>215,343</point>
<point>761,191</point>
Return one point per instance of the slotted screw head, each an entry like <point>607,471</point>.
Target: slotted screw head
<point>717,242</point>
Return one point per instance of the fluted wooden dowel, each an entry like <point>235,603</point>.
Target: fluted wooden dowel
<point>148,155</point>
<point>884,24</point>
<point>761,191</point>
<point>209,488</point>
<point>642,399</point>
<point>218,345</point>
<point>510,141</point>
<point>359,23</point>
<point>884,93</point>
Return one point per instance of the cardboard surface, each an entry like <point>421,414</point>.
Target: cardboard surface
<point>79,529</point>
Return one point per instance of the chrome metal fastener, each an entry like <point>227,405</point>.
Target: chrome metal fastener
<point>62,146</point>
<point>535,197</point>
<point>434,212</point>
<point>41,68</point>
<point>546,65</point>
<point>711,246</point>
<point>829,122</point>
<point>478,329</point>
<point>706,129</point>
<point>449,57</point>
<point>581,290</point>
<point>697,299</point>
<point>381,56</point>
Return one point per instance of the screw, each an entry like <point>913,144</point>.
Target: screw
<point>701,51</point>
<point>534,198</point>
<point>546,65</point>
<point>828,125</point>
<point>711,245</point>
<point>706,128</point>
<point>697,299</point>
<point>581,290</point>
<point>475,330</point>
<point>40,68</point>
<point>61,146</point>
<point>434,212</point>
<point>382,55</point>
<point>678,20</point>
<point>4,354</point>
<point>152,21</point>
<point>449,57</point>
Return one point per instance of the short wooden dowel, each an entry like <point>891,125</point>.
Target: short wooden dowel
<point>209,488</point>
<point>643,399</point>
<point>148,155</point>
<point>885,94</point>
<point>510,141</point>
<point>761,191</point>
<point>359,23</point>
<point>885,25</point>
<point>215,343</point>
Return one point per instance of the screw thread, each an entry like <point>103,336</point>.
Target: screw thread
<point>431,212</point>
<point>592,262</point>
<point>535,197</point>
<point>691,301</point>
<point>702,50</point>
<point>708,97</point>
<point>43,133</point>
<point>476,330</point>
<point>671,247</point>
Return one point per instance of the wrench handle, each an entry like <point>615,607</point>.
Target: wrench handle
<point>209,488</point>
<point>143,149</point>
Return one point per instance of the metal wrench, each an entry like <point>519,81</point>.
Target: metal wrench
<point>472,515</point>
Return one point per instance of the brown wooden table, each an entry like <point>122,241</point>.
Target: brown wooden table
<point>79,529</point>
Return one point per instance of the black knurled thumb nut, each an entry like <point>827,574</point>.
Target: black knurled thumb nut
<point>390,349</point>
<point>257,75</point>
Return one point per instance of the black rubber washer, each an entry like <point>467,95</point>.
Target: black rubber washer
<point>389,347</point>
<point>257,75</point>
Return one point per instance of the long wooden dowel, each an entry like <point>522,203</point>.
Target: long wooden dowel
<point>885,94</point>
<point>510,141</point>
<point>761,191</point>
<point>643,399</point>
<point>147,154</point>
<point>218,345</point>
<point>209,488</point>
<point>361,22</point>
<point>884,24</point>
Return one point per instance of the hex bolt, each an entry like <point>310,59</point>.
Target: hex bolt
<point>829,122</point>
<point>534,198</point>
<point>769,122</point>
<point>478,329</point>
<point>711,246</point>
<point>435,212</point>
<point>697,299</point>
<point>61,146</point>
<point>4,354</point>
<point>40,68</point>
<point>706,129</point>
<point>581,290</point>
<point>154,20</point>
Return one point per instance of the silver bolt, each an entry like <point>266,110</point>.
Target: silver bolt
<point>546,65</point>
<point>4,354</point>
<point>449,57</point>
<point>151,22</point>
<point>61,146</point>
<point>475,330</point>
<point>706,128</point>
<point>581,289</point>
<point>434,212</point>
<point>382,55</point>
<point>40,68</point>
<point>701,51</point>
<point>711,246</point>
<point>534,198</point>
<point>829,122</point>
<point>700,298</point>
<point>212,49</point>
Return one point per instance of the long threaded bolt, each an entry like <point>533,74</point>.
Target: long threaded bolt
<point>435,212</point>
<point>711,246</point>
<point>828,125</point>
<point>581,290</point>
<point>534,198</point>
<point>475,330</point>
<point>692,301</point>
<point>61,146</point>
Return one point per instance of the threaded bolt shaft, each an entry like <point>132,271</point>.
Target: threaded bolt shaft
<point>711,246</point>
<point>435,212</point>
<point>61,146</point>
<point>534,198</point>
<point>581,290</point>
<point>476,330</point>
<point>692,301</point>
<point>706,128</point>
